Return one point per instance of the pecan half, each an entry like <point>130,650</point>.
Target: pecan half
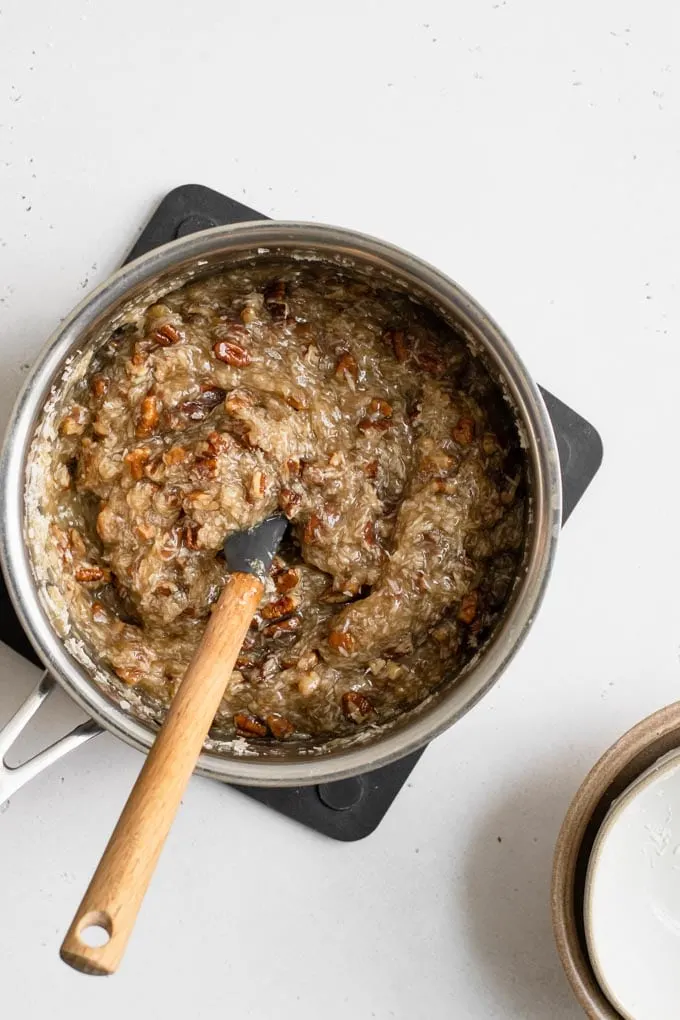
<point>145,532</point>
<point>397,339</point>
<point>129,675</point>
<point>77,543</point>
<point>100,428</point>
<point>148,415</point>
<point>468,607</point>
<point>166,335</point>
<point>238,400</point>
<point>231,354</point>
<point>342,641</point>
<point>218,442</point>
<point>279,726</point>
<point>99,614</point>
<point>278,609</point>
<point>430,361</point>
<point>286,580</point>
<point>204,403</point>
<point>244,433</point>
<point>75,421</point>
<point>204,467</point>
<point>200,499</point>
<point>289,502</point>
<point>275,300</point>
<point>257,486</point>
<point>91,574</point>
<point>464,431</point>
<point>138,361</point>
<point>347,368</point>
<point>249,725</point>
<point>437,465</point>
<point>211,396</point>
<point>136,459</point>
<point>175,455</point>
<point>279,628</point>
<point>369,534</point>
<point>356,706</point>
<point>378,424</point>
<point>380,408</point>
<point>312,528</point>
<point>189,536</point>
<point>296,400</point>
<point>155,470</point>
<point>99,385</point>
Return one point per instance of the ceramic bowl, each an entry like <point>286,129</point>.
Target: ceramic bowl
<point>620,766</point>
<point>632,896</point>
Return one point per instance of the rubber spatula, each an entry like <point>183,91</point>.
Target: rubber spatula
<point>110,905</point>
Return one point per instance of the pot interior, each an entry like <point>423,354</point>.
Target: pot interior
<point>132,714</point>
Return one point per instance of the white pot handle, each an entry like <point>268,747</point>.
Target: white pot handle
<point>12,778</point>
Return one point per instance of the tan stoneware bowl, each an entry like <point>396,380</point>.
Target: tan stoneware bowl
<point>629,757</point>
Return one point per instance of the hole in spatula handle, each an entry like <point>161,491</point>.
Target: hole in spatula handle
<point>89,945</point>
<point>95,929</point>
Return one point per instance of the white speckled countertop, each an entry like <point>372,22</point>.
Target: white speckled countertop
<point>531,151</point>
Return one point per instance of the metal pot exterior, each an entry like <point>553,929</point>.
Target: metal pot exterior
<point>169,266</point>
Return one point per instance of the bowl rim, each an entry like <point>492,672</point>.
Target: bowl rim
<point>261,236</point>
<point>667,763</point>
<point>607,780</point>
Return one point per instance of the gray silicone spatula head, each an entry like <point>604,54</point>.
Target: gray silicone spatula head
<point>252,551</point>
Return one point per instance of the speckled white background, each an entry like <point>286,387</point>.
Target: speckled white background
<point>529,149</point>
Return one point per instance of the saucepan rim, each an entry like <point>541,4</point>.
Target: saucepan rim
<point>414,728</point>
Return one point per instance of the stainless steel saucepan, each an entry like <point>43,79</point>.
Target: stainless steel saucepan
<point>112,706</point>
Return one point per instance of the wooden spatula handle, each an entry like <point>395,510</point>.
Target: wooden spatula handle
<point>117,888</point>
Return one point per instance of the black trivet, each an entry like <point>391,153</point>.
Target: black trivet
<point>348,809</point>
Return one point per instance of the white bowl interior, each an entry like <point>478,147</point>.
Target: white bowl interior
<point>632,896</point>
